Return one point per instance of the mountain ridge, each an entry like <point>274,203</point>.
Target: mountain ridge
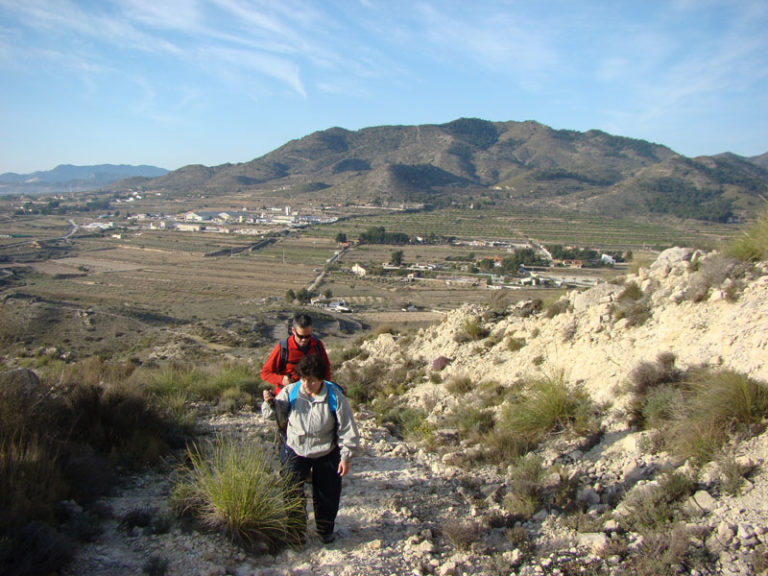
<point>479,162</point>
<point>72,178</point>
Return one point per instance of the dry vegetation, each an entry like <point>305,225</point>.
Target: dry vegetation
<point>113,403</point>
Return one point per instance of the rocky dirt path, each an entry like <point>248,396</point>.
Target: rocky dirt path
<point>391,504</point>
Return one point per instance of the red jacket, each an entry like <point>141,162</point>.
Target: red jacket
<point>271,372</point>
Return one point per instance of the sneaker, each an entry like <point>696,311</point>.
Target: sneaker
<point>328,538</point>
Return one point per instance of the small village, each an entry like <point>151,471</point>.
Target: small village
<point>273,221</point>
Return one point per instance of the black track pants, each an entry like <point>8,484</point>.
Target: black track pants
<point>326,484</point>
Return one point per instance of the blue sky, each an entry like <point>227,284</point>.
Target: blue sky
<point>177,82</point>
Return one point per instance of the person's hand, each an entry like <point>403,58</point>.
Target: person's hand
<point>286,380</point>
<point>267,395</point>
<point>343,468</point>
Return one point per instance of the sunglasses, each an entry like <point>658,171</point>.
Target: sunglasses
<point>301,336</point>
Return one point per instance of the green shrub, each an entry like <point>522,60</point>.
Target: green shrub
<point>210,383</point>
<point>661,405</point>
<point>178,409</point>
<point>462,533</point>
<point>490,393</point>
<point>491,341</point>
<point>712,273</point>
<point>632,304</point>
<point>145,517</point>
<point>232,486</point>
<point>401,421</point>
<point>635,313</point>
<point>639,263</point>
<point>548,405</point>
<point>759,559</point>
<point>49,453</point>
<point>519,537</point>
<point>230,384</point>
<point>752,244</point>
<point>729,398</point>
<point>473,423</point>
<point>235,375</point>
<point>459,385</point>
<point>92,371</point>
<point>581,521</point>
<point>232,400</point>
<point>522,498</point>
<point>504,445</point>
<point>697,412</point>
<point>347,354</point>
<point>658,506</point>
<point>632,291</point>
<point>664,552</point>
<point>472,330</point>
<point>544,406</point>
<point>646,400</point>
<point>173,380</point>
<point>361,383</point>
<point>569,331</point>
<point>557,307</point>
<point>31,480</point>
<point>34,548</point>
<point>119,421</point>
<point>515,344</point>
<point>718,405</point>
<point>732,474</point>
<point>378,379</point>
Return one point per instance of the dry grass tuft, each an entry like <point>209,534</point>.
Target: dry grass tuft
<point>232,486</point>
<point>472,330</point>
<point>462,534</point>
<point>752,244</point>
<point>697,412</point>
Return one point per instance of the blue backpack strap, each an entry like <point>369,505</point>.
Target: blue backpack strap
<point>293,393</point>
<point>333,392</point>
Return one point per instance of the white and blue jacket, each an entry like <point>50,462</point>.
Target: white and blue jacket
<point>316,425</point>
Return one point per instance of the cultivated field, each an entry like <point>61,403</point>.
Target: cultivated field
<point>209,286</point>
<point>546,228</point>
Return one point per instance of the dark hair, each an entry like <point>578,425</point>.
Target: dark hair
<point>302,321</point>
<point>311,366</point>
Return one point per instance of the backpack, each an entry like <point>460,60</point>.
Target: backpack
<point>282,415</point>
<point>333,390</point>
<point>284,351</point>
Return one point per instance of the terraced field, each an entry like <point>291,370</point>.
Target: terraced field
<point>548,228</point>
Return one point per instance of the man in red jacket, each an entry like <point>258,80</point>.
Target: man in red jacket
<point>278,370</point>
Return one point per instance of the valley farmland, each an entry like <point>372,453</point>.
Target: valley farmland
<point>218,287</point>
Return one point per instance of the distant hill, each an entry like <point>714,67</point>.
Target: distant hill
<point>761,160</point>
<point>69,178</point>
<point>487,164</point>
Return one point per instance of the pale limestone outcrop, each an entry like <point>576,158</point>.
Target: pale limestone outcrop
<point>590,346</point>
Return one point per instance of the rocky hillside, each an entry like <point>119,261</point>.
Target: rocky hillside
<point>411,508</point>
<point>482,163</point>
<point>687,307</point>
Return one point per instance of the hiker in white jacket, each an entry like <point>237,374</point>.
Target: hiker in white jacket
<point>321,438</point>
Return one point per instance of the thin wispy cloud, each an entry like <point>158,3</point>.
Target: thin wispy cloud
<point>636,69</point>
<point>60,19</point>
<point>502,43</point>
<point>237,64</point>
<point>184,15</point>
